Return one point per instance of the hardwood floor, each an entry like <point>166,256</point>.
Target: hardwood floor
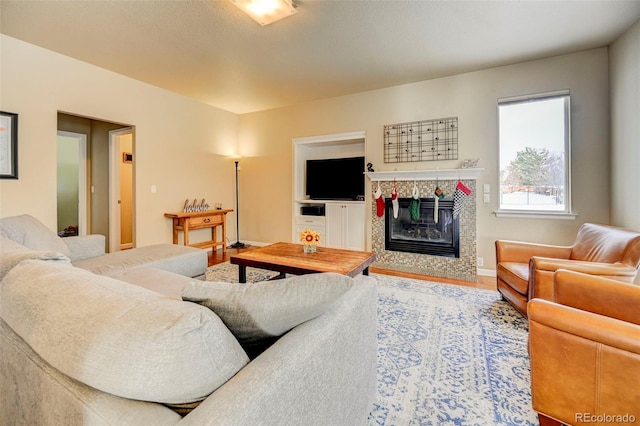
<point>484,282</point>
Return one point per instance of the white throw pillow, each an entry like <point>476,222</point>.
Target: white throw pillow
<point>258,313</point>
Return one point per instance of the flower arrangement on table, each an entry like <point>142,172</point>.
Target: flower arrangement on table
<point>310,240</point>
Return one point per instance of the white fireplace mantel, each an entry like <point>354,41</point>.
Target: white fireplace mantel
<point>442,174</point>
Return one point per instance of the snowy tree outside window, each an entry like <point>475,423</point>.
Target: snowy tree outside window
<point>534,138</point>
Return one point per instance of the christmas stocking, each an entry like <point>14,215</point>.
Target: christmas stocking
<point>414,205</point>
<point>394,201</point>
<point>379,202</point>
<point>438,195</point>
<point>459,197</point>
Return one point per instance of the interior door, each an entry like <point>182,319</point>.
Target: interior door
<point>121,189</point>
<point>72,183</point>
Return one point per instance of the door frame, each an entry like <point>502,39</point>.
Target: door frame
<point>82,179</point>
<point>114,189</point>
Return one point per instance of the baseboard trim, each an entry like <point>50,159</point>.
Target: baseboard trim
<point>255,243</point>
<point>487,272</point>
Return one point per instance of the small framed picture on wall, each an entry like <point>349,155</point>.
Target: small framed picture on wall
<point>8,145</point>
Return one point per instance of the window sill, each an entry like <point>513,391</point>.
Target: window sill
<point>535,215</point>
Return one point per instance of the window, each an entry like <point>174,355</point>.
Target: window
<point>534,138</point>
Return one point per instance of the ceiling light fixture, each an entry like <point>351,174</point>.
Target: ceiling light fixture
<point>264,12</point>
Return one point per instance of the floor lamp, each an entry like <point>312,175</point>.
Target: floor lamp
<point>237,244</point>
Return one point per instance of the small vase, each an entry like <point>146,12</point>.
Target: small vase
<point>309,248</point>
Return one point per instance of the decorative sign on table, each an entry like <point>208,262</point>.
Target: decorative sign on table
<point>195,206</point>
<point>427,140</point>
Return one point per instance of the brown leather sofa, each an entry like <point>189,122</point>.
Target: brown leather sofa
<point>585,352</point>
<point>525,270</point>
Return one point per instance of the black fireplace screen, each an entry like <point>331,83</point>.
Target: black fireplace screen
<point>422,234</point>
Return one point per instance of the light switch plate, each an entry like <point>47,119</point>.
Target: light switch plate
<point>487,188</point>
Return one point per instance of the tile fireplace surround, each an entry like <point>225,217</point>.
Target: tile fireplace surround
<point>463,268</point>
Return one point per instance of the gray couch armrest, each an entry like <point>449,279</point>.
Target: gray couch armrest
<point>323,372</point>
<point>32,392</point>
<point>85,246</point>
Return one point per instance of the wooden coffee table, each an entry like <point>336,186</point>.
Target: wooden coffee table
<point>288,258</point>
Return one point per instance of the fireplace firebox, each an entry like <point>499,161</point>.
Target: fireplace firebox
<point>424,235</point>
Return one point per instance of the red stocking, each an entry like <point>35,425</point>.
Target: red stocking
<point>379,202</point>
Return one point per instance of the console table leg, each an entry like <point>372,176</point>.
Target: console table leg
<point>242,274</point>
<point>366,271</point>
<point>176,223</point>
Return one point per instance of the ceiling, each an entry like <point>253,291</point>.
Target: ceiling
<point>210,51</point>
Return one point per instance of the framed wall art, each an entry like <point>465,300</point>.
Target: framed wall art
<point>8,145</point>
<point>426,140</point>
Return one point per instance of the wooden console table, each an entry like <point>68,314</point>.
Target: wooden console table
<point>186,222</point>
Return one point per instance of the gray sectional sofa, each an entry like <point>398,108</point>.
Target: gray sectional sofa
<point>93,338</point>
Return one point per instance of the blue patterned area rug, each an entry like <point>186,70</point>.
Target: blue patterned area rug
<point>447,355</point>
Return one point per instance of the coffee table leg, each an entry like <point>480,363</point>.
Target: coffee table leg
<point>366,271</point>
<point>280,276</point>
<point>242,274</point>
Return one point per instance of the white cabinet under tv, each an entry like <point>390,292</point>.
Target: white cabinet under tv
<point>341,223</point>
<point>345,225</point>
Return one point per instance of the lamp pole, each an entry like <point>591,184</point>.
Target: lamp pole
<point>237,244</point>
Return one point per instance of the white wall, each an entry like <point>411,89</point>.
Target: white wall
<point>265,137</point>
<point>624,69</point>
<point>180,144</point>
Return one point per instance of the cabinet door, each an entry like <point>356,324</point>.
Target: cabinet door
<point>333,215</point>
<point>345,225</point>
<point>353,226</point>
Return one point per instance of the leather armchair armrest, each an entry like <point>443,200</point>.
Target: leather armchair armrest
<point>603,296</point>
<point>596,328</point>
<point>542,272</point>
<point>591,268</point>
<point>521,252</point>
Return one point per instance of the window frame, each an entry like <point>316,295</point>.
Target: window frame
<point>567,213</point>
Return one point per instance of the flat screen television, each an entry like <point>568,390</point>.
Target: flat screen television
<point>335,178</point>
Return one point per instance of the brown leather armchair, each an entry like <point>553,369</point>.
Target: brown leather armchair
<point>585,352</point>
<point>525,270</point>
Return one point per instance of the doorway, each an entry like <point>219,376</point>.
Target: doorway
<point>98,181</point>
<point>121,189</point>
<point>72,183</point>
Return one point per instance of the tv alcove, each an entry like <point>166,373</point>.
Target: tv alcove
<point>341,223</point>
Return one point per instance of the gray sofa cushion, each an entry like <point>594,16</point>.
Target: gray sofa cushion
<point>32,233</point>
<point>163,282</point>
<point>12,253</point>
<point>256,313</point>
<point>187,261</point>
<point>116,337</point>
